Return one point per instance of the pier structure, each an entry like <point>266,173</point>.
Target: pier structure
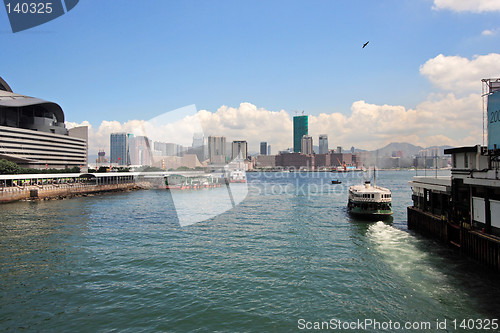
<point>45,186</point>
<point>464,209</point>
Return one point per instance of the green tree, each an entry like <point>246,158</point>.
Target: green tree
<point>9,168</point>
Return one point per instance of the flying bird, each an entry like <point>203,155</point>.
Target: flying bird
<point>364,45</point>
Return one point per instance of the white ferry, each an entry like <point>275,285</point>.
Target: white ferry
<point>369,200</point>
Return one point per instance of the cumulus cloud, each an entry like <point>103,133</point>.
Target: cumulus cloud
<point>459,74</point>
<point>475,6</point>
<point>441,119</point>
<point>452,116</point>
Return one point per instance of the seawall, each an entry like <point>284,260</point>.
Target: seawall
<point>12,194</point>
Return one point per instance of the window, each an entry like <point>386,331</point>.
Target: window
<point>454,161</point>
<point>466,160</point>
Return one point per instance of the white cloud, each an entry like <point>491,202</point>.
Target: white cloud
<point>459,74</point>
<point>441,119</point>
<point>453,116</point>
<point>488,32</point>
<point>475,6</point>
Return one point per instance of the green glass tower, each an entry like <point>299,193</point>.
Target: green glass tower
<point>300,128</point>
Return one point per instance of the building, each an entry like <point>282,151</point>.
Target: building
<point>101,157</point>
<point>296,161</point>
<point>198,140</point>
<point>269,150</point>
<point>306,145</point>
<point>33,133</point>
<point>217,149</point>
<point>263,148</point>
<point>463,210</point>
<point>323,144</point>
<point>119,147</point>
<point>300,128</point>
<point>322,160</point>
<point>140,150</point>
<point>239,147</point>
<point>265,161</point>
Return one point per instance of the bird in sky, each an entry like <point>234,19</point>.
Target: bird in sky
<point>364,45</point>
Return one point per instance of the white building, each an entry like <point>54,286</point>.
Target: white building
<point>306,146</point>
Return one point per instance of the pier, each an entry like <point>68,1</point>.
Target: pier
<point>462,210</point>
<point>53,186</point>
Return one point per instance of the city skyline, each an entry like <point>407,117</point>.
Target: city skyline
<point>418,80</point>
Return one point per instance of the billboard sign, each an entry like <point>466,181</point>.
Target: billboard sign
<point>494,121</point>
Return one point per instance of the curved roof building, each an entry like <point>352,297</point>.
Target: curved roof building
<point>33,133</point>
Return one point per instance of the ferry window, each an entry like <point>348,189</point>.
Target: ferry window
<point>373,196</point>
<point>454,161</point>
<point>466,161</point>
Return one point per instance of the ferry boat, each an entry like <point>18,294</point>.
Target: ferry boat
<point>237,176</point>
<point>370,200</point>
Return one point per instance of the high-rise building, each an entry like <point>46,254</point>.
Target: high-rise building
<point>140,150</point>
<point>217,149</point>
<point>263,148</point>
<point>198,140</point>
<point>323,144</point>
<point>307,145</point>
<point>120,148</point>
<point>339,150</point>
<point>300,128</point>
<point>239,147</point>
<point>269,150</point>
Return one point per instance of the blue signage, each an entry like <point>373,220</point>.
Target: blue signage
<point>494,121</point>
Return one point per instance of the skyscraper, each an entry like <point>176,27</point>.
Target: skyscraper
<point>119,148</point>
<point>307,145</point>
<point>217,149</point>
<point>263,148</point>
<point>239,147</point>
<point>198,140</point>
<point>323,144</point>
<point>300,128</point>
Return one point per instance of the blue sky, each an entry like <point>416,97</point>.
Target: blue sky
<point>124,60</point>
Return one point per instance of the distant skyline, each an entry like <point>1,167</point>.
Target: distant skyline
<point>249,66</point>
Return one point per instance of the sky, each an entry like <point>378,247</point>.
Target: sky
<point>249,66</point>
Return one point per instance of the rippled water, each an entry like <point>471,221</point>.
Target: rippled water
<point>288,252</point>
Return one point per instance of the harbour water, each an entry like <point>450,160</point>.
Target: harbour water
<point>286,253</point>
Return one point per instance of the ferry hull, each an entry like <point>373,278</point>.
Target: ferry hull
<point>370,213</point>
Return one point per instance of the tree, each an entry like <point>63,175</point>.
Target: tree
<point>9,168</point>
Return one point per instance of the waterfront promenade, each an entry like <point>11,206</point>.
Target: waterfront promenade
<point>53,186</point>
